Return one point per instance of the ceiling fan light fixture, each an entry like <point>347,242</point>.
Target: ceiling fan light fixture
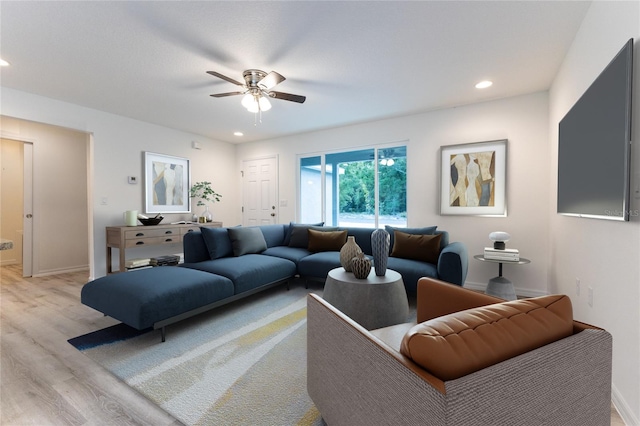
<point>254,108</point>
<point>256,90</point>
<point>264,104</point>
<point>248,101</point>
<point>255,102</point>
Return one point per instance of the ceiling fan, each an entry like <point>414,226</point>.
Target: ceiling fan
<point>257,89</point>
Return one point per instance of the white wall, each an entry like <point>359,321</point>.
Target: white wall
<point>604,255</point>
<point>116,152</point>
<point>522,120</point>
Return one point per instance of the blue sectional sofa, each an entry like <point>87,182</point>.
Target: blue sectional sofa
<point>240,258</point>
<point>222,265</point>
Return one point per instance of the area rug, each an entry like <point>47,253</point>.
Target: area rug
<point>242,364</point>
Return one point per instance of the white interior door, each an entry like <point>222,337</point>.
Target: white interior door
<point>27,220</point>
<point>259,203</point>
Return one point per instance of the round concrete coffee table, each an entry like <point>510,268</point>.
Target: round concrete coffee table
<point>373,302</point>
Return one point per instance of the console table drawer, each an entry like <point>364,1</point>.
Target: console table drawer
<point>127,237</point>
<point>194,228</point>
<point>147,233</point>
<point>152,241</point>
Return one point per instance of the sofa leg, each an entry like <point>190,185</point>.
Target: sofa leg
<point>163,333</point>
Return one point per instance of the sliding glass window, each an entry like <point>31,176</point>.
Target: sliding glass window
<point>363,188</point>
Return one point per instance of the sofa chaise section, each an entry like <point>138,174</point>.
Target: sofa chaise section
<point>156,297</point>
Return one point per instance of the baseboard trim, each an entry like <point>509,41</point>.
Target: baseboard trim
<point>623,408</point>
<point>521,292</point>
<point>60,271</point>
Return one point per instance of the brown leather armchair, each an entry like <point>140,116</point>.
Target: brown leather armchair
<point>360,377</point>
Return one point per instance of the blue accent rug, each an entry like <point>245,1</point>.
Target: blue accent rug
<point>113,334</point>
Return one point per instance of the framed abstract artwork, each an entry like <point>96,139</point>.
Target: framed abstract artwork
<point>473,179</point>
<point>166,184</point>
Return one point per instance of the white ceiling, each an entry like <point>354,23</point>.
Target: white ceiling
<point>354,61</point>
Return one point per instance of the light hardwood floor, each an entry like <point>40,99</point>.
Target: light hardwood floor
<point>46,381</point>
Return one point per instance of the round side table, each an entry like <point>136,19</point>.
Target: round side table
<point>500,286</point>
<point>373,302</point>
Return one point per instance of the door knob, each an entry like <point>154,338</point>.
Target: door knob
<point>273,214</point>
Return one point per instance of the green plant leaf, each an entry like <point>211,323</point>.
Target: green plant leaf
<point>204,192</point>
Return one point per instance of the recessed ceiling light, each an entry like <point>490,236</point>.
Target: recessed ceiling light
<point>238,134</point>
<point>3,63</point>
<point>484,84</point>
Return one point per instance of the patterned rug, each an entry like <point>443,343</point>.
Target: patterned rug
<point>242,364</point>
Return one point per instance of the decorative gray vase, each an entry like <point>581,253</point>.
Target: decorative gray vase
<point>348,251</point>
<point>380,249</point>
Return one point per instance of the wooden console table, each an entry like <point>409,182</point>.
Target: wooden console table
<point>124,237</point>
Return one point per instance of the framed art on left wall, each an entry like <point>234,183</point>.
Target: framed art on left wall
<point>166,186</point>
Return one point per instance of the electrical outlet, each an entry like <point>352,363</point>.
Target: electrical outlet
<point>577,286</point>
<point>590,301</point>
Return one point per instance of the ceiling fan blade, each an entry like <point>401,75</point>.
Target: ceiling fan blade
<point>271,80</point>
<point>288,97</point>
<point>224,77</point>
<point>222,95</point>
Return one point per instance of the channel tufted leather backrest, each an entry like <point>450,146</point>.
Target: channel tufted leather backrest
<point>458,344</point>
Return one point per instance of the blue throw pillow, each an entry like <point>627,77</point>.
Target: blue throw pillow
<point>428,230</point>
<point>287,234</point>
<point>297,235</point>
<point>247,240</point>
<point>217,242</point>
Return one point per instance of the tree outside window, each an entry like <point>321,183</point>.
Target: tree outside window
<point>351,196</point>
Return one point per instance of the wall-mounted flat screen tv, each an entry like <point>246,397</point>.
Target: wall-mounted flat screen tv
<point>594,145</point>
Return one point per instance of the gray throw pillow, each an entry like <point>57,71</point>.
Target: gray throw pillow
<point>247,240</point>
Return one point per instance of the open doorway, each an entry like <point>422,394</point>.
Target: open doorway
<point>15,196</point>
<point>48,220</point>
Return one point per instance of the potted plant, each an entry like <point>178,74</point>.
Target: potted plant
<point>203,192</point>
